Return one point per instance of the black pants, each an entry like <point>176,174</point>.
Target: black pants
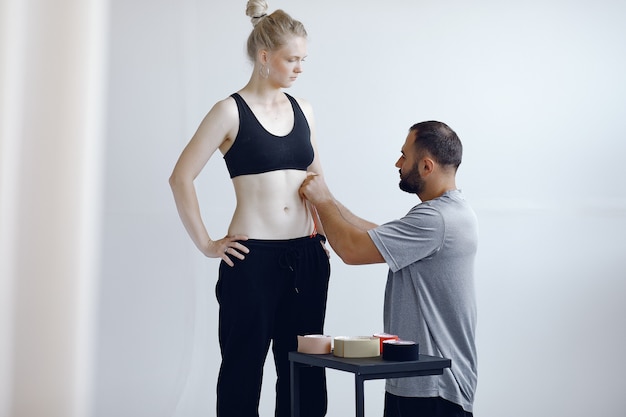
<point>422,407</point>
<point>276,293</point>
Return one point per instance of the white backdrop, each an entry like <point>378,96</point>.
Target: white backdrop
<point>534,89</point>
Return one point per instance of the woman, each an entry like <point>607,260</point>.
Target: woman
<point>274,270</point>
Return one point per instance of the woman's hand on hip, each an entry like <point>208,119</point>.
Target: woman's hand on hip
<point>226,247</point>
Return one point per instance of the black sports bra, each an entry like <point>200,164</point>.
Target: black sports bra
<point>255,150</point>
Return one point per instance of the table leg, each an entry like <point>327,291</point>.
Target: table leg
<point>359,395</point>
<point>295,389</point>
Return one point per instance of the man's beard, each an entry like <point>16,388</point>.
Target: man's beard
<point>412,181</point>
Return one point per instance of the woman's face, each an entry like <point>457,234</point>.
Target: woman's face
<point>285,63</point>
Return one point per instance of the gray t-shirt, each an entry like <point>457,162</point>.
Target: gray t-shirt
<point>430,296</point>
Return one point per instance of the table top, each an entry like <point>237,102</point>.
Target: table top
<point>371,366</point>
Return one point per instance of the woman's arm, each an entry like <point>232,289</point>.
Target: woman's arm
<point>316,165</point>
<point>215,132</point>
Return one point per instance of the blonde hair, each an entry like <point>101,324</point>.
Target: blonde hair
<point>270,31</point>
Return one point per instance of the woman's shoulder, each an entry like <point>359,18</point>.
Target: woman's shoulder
<point>222,119</point>
<point>224,110</point>
<point>306,107</point>
<point>301,101</point>
<point>225,105</point>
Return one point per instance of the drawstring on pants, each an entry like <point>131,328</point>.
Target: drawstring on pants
<point>289,260</point>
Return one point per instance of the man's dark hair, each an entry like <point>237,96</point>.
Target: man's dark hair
<point>441,142</point>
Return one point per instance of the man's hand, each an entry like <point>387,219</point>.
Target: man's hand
<point>314,189</point>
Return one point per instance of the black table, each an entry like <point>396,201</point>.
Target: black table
<point>363,369</point>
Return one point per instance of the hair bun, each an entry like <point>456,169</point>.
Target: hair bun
<point>256,10</point>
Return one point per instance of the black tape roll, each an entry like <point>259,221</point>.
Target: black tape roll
<point>401,350</point>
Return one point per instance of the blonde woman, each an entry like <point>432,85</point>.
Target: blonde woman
<point>274,270</point>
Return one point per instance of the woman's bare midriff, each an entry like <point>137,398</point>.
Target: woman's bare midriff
<point>269,206</point>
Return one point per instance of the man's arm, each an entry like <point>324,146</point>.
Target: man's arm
<point>346,233</point>
<point>354,219</point>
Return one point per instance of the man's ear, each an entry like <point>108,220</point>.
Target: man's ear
<point>427,165</point>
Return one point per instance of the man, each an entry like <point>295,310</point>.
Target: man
<point>429,297</point>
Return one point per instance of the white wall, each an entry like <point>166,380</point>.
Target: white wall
<point>535,91</point>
